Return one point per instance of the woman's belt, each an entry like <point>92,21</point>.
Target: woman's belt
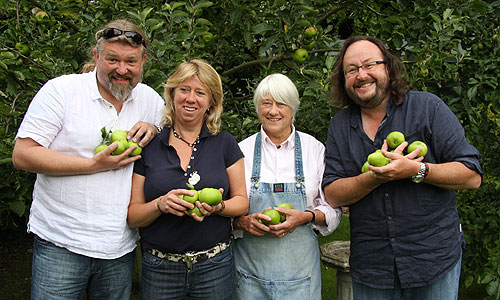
<point>190,257</point>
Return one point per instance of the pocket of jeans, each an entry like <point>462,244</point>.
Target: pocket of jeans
<point>298,288</point>
<point>223,257</point>
<point>151,260</point>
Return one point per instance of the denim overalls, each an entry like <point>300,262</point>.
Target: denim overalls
<point>268,267</point>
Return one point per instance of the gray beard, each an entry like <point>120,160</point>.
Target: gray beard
<point>120,92</point>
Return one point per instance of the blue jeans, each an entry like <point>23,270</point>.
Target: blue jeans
<point>60,274</point>
<point>210,279</point>
<point>445,288</point>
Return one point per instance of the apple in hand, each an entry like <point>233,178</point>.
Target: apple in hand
<point>100,148</point>
<point>418,144</point>
<point>378,159</point>
<point>137,150</point>
<point>394,139</point>
<point>192,199</point>
<point>210,196</point>
<point>283,216</point>
<point>273,214</point>
<point>195,210</point>
<point>365,167</point>
<point>118,135</point>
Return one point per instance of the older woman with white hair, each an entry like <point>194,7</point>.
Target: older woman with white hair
<point>282,165</point>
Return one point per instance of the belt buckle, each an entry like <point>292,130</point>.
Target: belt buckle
<point>189,259</point>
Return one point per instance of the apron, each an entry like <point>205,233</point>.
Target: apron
<point>268,267</point>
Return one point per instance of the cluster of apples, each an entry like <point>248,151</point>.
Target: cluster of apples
<point>276,216</point>
<point>394,139</point>
<point>209,196</point>
<point>120,137</point>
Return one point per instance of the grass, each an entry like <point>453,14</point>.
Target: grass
<point>16,252</point>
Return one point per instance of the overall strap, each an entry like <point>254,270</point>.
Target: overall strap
<point>299,171</point>
<point>256,159</point>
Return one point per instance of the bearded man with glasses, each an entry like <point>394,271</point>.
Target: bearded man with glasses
<point>78,217</point>
<point>406,236</point>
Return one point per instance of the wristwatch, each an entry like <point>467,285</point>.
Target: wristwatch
<point>422,173</point>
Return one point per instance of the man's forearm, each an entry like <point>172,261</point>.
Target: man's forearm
<point>349,190</point>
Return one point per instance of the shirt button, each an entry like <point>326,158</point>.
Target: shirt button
<point>386,194</point>
<point>389,218</point>
<point>393,240</point>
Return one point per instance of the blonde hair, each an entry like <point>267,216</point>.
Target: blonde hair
<point>207,75</point>
<point>121,24</point>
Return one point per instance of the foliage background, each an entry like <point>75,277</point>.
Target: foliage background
<point>450,48</point>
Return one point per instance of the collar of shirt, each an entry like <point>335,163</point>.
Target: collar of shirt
<point>289,143</point>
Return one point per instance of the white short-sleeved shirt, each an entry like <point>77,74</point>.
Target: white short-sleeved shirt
<point>277,166</point>
<point>86,214</point>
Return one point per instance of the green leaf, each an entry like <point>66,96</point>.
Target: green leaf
<point>17,207</point>
<point>492,288</point>
<point>203,4</point>
<point>144,14</point>
<point>486,278</point>
<point>261,28</point>
<point>447,13</point>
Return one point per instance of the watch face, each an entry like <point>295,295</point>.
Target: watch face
<point>418,178</point>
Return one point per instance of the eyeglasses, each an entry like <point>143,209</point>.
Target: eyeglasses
<point>353,71</point>
<point>109,33</point>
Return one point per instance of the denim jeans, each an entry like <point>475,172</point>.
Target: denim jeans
<point>445,288</point>
<point>60,274</point>
<point>164,279</point>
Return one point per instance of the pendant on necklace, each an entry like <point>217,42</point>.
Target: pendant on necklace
<point>194,178</point>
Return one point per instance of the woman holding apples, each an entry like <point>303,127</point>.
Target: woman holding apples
<point>185,254</point>
<point>282,165</point>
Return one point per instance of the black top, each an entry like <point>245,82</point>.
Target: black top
<point>160,165</point>
<point>413,227</point>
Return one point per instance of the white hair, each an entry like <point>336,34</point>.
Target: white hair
<point>280,88</point>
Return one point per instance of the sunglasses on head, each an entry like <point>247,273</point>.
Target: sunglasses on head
<point>110,33</point>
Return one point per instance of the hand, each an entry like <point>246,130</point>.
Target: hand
<point>251,224</point>
<point>171,203</point>
<point>142,133</point>
<point>104,161</point>
<point>400,167</point>
<point>294,218</point>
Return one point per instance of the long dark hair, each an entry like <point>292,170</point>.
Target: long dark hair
<point>398,85</point>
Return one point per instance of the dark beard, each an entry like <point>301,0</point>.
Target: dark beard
<point>120,91</point>
<point>380,95</point>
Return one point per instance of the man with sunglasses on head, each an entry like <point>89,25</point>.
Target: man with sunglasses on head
<point>82,243</point>
<point>406,236</point>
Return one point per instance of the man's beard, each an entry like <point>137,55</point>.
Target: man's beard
<point>120,91</point>
<point>376,99</point>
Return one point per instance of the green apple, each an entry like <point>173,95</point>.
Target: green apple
<point>41,17</point>
<point>122,146</point>
<point>196,211</point>
<point>23,48</point>
<point>210,196</point>
<point>283,216</point>
<point>273,214</point>
<point>365,167</point>
<point>192,199</point>
<point>208,37</point>
<point>300,55</point>
<point>118,135</point>
<point>418,144</point>
<point>394,139</point>
<point>181,197</point>
<point>137,150</point>
<point>310,45</point>
<point>100,148</point>
<point>310,32</point>
<point>378,159</point>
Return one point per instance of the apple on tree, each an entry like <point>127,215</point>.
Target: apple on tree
<point>300,55</point>
<point>310,32</point>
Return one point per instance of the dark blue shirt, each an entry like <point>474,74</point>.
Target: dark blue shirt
<point>160,165</point>
<point>412,227</point>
